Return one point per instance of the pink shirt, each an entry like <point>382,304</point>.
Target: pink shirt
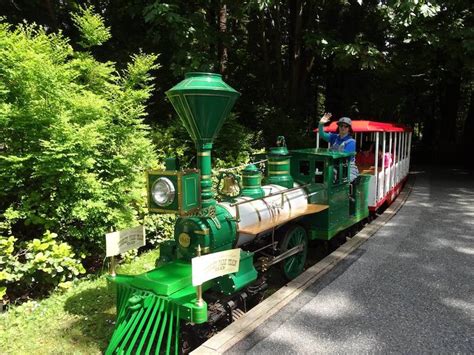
<point>387,160</point>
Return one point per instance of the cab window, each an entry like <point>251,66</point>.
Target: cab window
<point>345,170</point>
<point>336,172</point>
<point>304,167</point>
<point>319,172</point>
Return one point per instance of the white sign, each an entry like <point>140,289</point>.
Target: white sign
<point>122,241</point>
<point>208,267</point>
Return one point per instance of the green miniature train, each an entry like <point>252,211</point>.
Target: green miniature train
<point>305,195</point>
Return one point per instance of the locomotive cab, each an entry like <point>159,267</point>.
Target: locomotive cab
<point>327,173</point>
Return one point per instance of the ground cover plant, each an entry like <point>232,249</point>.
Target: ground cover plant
<point>79,320</point>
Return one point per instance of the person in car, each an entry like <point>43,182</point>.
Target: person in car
<point>366,156</point>
<point>385,158</point>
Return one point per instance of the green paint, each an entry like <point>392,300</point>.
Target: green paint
<point>327,173</point>
<point>186,184</point>
<point>139,310</point>
<point>167,252</point>
<point>190,199</point>
<point>278,164</point>
<point>294,265</point>
<point>203,101</point>
<point>164,297</point>
<point>361,195</point>
<point>171,164</point>
<point>252,182</point>
<point>229,284</point>
<point>162,281</point>
<point>214,230</point>
<point>205,166</point>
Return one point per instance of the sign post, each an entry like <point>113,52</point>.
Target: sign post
<point>112,271</point>
<point>199,301</point>
<point>210,266</point>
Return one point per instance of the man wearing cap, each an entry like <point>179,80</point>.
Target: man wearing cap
<point>341,141</point>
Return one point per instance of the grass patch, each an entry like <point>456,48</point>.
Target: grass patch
<point>77,321</point>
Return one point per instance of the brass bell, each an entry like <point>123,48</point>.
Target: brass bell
<point>230,186</point>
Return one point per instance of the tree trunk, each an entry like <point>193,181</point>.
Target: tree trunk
<point>464,105</point>
<point>295,40</point>
<point>51,13</point>
<point>211,17</point>
<point>277,48</point>
<point>266,59</point>
<point>223,58</point>
<point>449,101</point>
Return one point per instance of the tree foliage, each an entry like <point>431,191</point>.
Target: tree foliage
<point>91,26</point>
<point>359,58</point>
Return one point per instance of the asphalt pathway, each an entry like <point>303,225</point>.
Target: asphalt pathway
<point>408,289</point>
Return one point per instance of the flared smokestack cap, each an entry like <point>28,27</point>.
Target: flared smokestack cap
<point>203,101</point>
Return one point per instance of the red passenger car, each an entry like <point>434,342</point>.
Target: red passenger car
<point>391,143</point>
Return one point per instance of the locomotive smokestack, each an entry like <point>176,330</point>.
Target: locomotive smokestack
<point>203,101</point>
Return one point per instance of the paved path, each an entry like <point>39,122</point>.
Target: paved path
<point>408,289</point>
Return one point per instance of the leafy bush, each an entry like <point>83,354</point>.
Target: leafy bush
<point>174,140</point>
<point>37,265</point>
<point>92,27</point>
<point>232,146</point>
<point>159,228</point>
<point>73,149</point>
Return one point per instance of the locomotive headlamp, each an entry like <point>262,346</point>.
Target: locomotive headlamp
<point>174,191</point>
<point>163,192</point>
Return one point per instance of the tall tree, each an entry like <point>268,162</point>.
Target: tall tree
<point>222,31</point>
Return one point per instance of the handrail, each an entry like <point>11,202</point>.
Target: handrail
<point>243,165</point>
<point>270,195</point>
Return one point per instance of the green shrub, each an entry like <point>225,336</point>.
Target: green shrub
<point>37,265</point>
<point>159,228</point>
<point>173,140</point>
<point>91,26</point>
<point>232,146</point>
<point>73,151</point>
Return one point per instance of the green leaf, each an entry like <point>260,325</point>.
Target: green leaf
<point>92,28</point>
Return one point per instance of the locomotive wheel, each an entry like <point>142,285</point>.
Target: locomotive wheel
<point>294,265</point>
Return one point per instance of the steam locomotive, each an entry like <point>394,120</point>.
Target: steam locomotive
<point>305,195</point>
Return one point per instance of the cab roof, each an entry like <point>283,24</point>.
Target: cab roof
<point>370,126</point>
<point>321,151</point>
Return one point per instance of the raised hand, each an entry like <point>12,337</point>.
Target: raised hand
<point>325,118</point>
